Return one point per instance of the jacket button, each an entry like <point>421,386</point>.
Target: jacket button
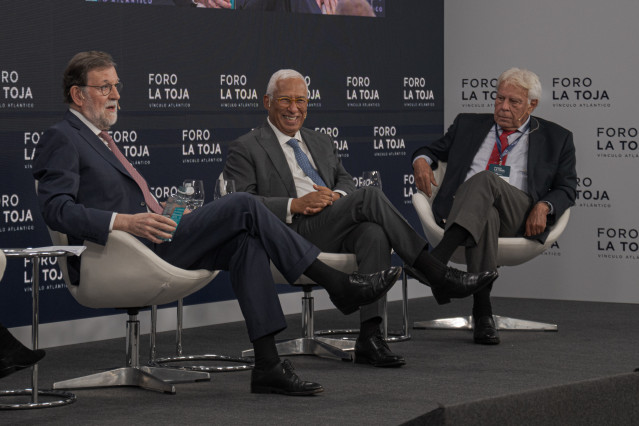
<point>143,204</point>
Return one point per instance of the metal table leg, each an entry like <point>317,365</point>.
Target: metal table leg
<point>63,398</point>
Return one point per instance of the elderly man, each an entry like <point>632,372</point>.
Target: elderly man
<point>509,174</point>
<point>88,188</point>
<point>296,173</point>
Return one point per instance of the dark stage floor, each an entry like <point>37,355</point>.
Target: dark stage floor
<point>596,341</point>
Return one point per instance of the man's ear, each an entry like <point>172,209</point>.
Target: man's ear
<point>534,104</point>
<point>77,95</point>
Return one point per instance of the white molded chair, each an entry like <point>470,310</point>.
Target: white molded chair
<point>126,274</point>
<point>510,252</point>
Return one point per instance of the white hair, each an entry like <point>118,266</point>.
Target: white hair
<point>282,75</point>
<point>523,78</point>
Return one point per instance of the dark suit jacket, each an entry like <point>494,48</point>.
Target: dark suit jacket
<point>257,164</point>
<point>72,173</point>
<point>552,175</point>
<point>75,169</point>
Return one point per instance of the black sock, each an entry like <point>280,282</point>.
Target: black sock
<point>481,302</point>
<point>453,238</point>
<point>369,327</point>
<point>8,343</point>
<point>266,356</point>
<point>332,280</point>
<point>430,266</point>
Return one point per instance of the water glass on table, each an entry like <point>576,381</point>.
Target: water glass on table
<point>223,187</point>
<point>197,198</point>
<point>372,178</point>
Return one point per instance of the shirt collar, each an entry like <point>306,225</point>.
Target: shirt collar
<point>281,137</point>
<point>521,129</point>
<point>82,118</point>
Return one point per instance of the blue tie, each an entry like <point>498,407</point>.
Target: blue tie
<point>305,164</point>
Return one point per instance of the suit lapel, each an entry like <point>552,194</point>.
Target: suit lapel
<point>536,142</point>
<point>96,143</point>
<point>479,136</point>
<point>475,140</point>
<point>273,150</point>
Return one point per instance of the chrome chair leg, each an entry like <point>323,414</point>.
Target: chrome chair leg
<point>403,335</point>
<point>309,344</point>
<point>180,360</point>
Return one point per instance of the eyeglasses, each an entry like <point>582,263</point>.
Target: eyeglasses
<point>286,101</point>
<point>106,88</point>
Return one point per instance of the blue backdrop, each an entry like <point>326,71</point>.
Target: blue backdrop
<point>193,82</point>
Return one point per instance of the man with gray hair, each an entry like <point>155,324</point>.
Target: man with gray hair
<point>509,174</point>
<point>87,188</point>
<point>298,176</point>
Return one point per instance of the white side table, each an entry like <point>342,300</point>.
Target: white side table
<point>60,397</point>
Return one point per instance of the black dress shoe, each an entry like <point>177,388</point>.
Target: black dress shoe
<point>375,351</point>
<point>456,284</point>
<point>283,380</point>
<point>365,289</point>
<point>19,357</point>
<point>484,330</point>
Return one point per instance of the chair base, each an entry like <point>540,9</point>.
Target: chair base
<point>245,363</point>
<point>150,378</point>
<point>63,398</point>
<point>311,346</point>
<point>172,375</point>
<point>179,357</point>
<point>391,336</point>
<point>501,323</point>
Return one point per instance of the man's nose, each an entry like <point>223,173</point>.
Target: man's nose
<point>114,93</point>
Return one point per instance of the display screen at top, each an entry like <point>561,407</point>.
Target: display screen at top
<point>369,8</point>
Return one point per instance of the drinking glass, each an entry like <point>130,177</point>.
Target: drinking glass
<point>197,199</point>
<point>223,187</point>
<point>372,178</point>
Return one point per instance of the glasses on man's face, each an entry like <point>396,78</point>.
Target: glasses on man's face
<point>286,101</point>
<point>106,88</point>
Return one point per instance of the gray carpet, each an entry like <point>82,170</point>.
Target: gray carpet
<point>444,369</point>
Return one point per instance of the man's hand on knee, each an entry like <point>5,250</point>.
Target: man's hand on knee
<point>536,222</point>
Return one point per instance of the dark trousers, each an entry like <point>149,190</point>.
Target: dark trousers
<point>488,208</point>
<point>237,233</point>
<point>367,224</point>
